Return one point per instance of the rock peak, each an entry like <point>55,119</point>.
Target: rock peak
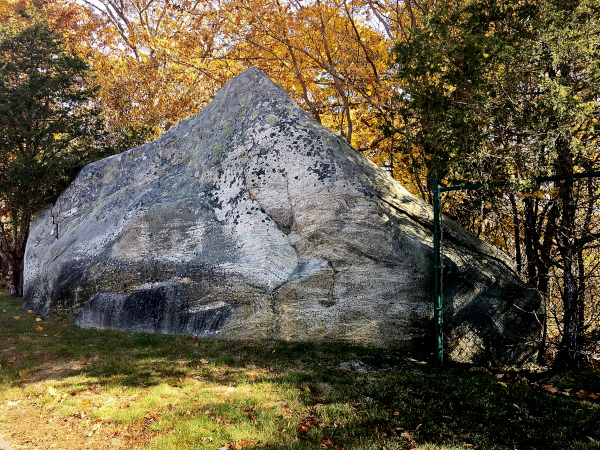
<point>251,81</point>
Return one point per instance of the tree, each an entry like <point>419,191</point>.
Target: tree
<point>48,126</point>
<point>157,61</point>
<point>499,90</point>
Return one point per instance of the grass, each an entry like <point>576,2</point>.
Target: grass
<point>70,388</point>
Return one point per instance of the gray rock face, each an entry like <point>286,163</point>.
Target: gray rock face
<point>252,221</point>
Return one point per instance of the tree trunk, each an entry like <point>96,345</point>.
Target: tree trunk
<point>15,276</point>
<point>13,239</point>
<point>569,351</point>
<point>538,238</point>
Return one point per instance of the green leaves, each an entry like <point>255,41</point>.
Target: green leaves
<point>496,82</point>
<point>47,124</point>
<point>48,129</point>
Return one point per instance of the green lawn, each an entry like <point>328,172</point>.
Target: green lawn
<point>72,388</point>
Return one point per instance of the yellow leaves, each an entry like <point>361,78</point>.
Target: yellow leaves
<point>164,70</point>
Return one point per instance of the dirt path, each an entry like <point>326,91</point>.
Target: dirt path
<point>26,425</point>
<point>4,445</point>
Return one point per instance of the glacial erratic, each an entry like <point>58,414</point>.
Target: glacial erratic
<point>252,221</point>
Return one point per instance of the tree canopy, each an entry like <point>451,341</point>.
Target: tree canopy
<point>509,90</point>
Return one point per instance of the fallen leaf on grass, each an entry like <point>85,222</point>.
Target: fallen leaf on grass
<point>39,319</point>
<point>221,420</point>
<point>251,376</point>
<point>39,328</point>
<point>550,388</point>
<point>29,311</point>
<point>94,428</point>
<point>590,395</point>
<point>302,428</point>
<point>204,361</point>
<point>326,443</point>
<point>482,370</point>
<point>250,414</point>
<point>307,423</point>
<point>86,362</point>
<point>16,317</point>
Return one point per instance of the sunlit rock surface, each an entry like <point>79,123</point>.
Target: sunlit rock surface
<point>252,221</point>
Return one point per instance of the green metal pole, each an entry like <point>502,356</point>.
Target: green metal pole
<point>437,274</point>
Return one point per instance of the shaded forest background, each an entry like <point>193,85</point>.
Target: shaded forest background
<point>458,90</point>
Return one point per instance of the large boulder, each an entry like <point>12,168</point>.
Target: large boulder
<point>252,221</point>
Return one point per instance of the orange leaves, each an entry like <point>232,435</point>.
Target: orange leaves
<point>221,420</point>
<point>581,394</point>
<point>328,443</point>
<point>482,370</point>
<point>307,423</point>
<point>586,394</point>
<point>39,328</point>
<point>159,68</point>
<point>156,71</point>
<point>550,388</point>
<point>244,443</point>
